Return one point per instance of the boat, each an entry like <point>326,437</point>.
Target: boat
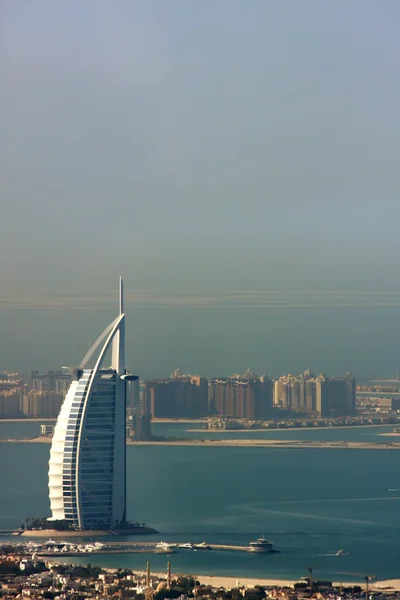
<point>187,546</point>
<point>260,545</point>
<point>340,552</point>
<point>202,546</point>
<point>165,548</point>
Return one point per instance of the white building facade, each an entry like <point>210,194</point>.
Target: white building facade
<point>87,467</point>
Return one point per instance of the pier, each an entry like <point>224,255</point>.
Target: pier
<point>140,548</point>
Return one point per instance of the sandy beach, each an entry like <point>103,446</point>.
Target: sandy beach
<point>233,582</point>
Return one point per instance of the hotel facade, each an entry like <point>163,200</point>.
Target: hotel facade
<point>87,466</point>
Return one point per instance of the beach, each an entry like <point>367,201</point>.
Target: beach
<point>251,582</point>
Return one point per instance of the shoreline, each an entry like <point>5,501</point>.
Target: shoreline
<point>54,533</point>
<point>165,420</point>
<point>29,420</point>
<point>229,582</point>
<point>239,430</point>
<point>272,430</point>
<point>240,443</point>
<point>232,582</point>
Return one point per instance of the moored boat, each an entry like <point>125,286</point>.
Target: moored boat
<point>202,546</point>
<point>260,545</point>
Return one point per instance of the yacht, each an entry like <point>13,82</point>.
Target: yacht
<point>187,546</point>
<point>202,546</point>
<point>340,552</point>
<point>163,547</point>
<point>260,545</point>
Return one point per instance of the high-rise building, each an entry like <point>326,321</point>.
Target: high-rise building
<point>245,396</point>
<point>177,396</point>
<point>318,396</point>
<point>335,395</point>
<point>87,467</point>
<point>52,381</point>
<point>10,404</point>
<point>42,404</point>
<point>11,395</point>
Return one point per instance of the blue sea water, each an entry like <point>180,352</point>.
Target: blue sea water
<point>309,502</point>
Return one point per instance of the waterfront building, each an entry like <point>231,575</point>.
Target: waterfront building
<point>177,396</point>
<point>335,396</point>
<point>41,404</point>
<point>10,404</point>
<point>87,467</point>
<point>317,396</point>
<point>46,430</point>
<point>245,396</point>
<point>139,426</point>
<point>11,394</point>
<point>52,381</point>
<point>11,382</point>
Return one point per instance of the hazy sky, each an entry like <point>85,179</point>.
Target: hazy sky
<point>202,149</point>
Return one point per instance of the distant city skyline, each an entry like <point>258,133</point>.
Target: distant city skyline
<point>251,154</point>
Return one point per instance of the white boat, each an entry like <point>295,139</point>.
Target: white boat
<point>340,552</point>
<point>202,546</point>
<point>187,546</point>
<point>165,547</point>
<point>260,545</point>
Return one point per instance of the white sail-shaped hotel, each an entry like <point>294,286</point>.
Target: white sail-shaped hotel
<point>87,467</point>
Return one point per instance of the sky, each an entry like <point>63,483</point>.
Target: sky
<point>236,162</point>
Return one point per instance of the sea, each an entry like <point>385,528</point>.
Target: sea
<point>310,502</point>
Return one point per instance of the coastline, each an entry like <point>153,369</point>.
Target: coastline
<point>239,443</point>
<point>230,582</point>
<point>53,533</point>
<point>271,430</point>
<point>29,420</point>
<point>227,582</point>
<point>165,420</point>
